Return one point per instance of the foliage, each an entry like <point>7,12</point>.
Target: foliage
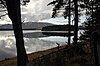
<point>76,9</point>
<point>3,6</point>
<point>93,21</point>
<point>61,7</point>
<point>78,55</point>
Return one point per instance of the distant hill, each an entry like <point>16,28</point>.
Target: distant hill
<point>40,26</point>
<point>28,25</point>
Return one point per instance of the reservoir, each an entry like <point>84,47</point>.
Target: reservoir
<point>32,44</point>
<point>34,41</point>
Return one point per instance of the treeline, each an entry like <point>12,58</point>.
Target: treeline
<point>61,28</point>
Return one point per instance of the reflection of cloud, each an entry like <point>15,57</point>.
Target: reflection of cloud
<point>55,39</point>
<point>35,44</point>
<point>4,54</point>
<point>8,46</point>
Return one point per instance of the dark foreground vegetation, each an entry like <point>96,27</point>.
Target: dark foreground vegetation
<point>77,54</point>
<point>73,55</point>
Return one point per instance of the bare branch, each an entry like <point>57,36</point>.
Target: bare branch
<point>3,15</point>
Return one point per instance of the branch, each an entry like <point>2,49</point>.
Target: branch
<point>3,15</point>
<point>3,10</point>
<point>2,2</point>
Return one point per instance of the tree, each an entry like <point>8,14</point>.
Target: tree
<point>76,21</point>
<point>93,20</point>
<point>13,8</point>
<point>61,6</point>
<point>92,26</point>
<point>69,20</point>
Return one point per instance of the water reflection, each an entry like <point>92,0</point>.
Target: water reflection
<point>32,43</point>
<point>8,46</point>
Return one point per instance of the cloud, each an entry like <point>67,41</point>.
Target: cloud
<point>36,10</point>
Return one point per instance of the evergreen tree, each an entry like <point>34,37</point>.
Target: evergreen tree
<point>76,8</point>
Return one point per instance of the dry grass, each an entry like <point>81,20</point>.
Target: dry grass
<point>76,60</point>
<point>12,61</point>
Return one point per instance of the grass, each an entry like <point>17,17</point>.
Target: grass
<point>12,61</point>
<point>71,57</point>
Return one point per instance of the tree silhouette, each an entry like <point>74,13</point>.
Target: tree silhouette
<point>64,6</point>
<point>92,26</point>
<point>76,22</point>
<point>13,7</point>
<point>75,7</point>
<point>69,20</point>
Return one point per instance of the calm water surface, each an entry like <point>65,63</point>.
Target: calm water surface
<point>8,46</point>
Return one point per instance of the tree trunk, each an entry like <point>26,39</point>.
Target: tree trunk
<point>69,17</point>
<point>13,7</point>
<point>76,22</point>
<point>96,38</point>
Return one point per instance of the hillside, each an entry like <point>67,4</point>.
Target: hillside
<point>28,25</point>
<point>73,55</point>
<point>40,25</point>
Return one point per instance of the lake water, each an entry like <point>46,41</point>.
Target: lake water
<point>32,44</point>
<point>8,46</point>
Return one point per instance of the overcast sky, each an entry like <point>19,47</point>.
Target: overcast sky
<point>36,10</point>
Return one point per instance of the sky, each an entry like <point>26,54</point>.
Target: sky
<point>37,11</point>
